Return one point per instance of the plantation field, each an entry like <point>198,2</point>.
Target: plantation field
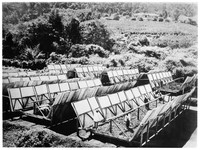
<point>167,40</point>
<point>127,26</point>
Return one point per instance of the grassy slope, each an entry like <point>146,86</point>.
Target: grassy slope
<point>126,25</point>
<point>118,28</point>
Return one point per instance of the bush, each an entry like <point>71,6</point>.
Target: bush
<point>55,58</point>
<point>188,62</point>
<point>113,63</point>
<point>144,41</point>
<point>96,33</point>
<point>167,20</point>
<point>122,63</point>
<point>39,64</point>
<point>31,64</point>
<point>34,138</point>
<point>25,64</point>
<point>115,17</point>
<point>6,62</point>
<point>78,50</point>
<point>95,59</point>
<point>160,19</point>
<point>184,71</point>
<point>134,19</point>
<point>192,22</point>
<point>16,63</point>
<point>95,49</point>
<point>155,19</point>
<point>171,63</point>
<point>140,19</point>
<point>80,60</point>
<point>174,41</point>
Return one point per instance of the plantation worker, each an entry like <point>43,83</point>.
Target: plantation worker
<point>157,94</point>
<point>127,119</point>
<point>97,117</point>
<point>146,100</point>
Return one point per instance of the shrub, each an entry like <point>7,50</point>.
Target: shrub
<point>6,62</point>
<point>95,49</point>
<point>80,60</point>
<point>171,63</point>
<point>144,41</point>
<point>25,64</point>
<point>39,63</point>
<point>155,19</point>
<point>95,59</point>
<point>134,19</point>
<point>30,53</point>
<point>16,63</point>
<point>96,33</point>
<point>184,71</point>
<point>115,17</point>
<point>187,62</point>
<point>113,63</point>
<point>140,19</point>
<point>192,22</point>
<point>167,20</point>
<point>119,47</point>
<point>41,56</point>
<point>34,138</point>
<point>174,41</point>
<point>122,63</point>
<point>55,58</point>
<point>160,19</point>
<point>78,50</point>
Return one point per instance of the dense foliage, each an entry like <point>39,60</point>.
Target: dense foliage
<point>36,34</point>
<point>53,33</point>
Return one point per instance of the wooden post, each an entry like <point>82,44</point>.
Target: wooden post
<point>170,115</point>
<point>141,139</point>
<point>147,137</point>
<point>156,126</point>
<point>110,126</point>
<point>163,121</point>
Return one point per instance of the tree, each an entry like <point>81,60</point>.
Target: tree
<point>56,24</point>
<point>94,32</point>
<point>73,31</point>
<point>9,47</point>
<point>176,14</point>
<point>164,14</point>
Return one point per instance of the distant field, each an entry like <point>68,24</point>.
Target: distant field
<point>125,25</point>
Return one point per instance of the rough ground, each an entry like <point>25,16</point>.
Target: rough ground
<point>185,136</point>
<point>13,131</point>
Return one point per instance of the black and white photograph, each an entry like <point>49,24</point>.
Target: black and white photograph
<point>99,74</point>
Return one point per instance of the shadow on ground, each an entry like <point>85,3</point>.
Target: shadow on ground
<point>66,128</point>
<point>178,132</point>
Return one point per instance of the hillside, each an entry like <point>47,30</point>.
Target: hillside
<point>37,34</point>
